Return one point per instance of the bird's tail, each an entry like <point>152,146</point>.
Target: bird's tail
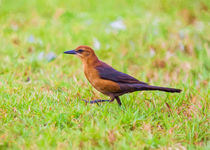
<point>165,89</point>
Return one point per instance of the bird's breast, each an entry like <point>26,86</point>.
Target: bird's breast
<point>106,87</point>
<point>91,75</point>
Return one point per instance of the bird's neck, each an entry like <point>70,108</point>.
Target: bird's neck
<point>91,61</point>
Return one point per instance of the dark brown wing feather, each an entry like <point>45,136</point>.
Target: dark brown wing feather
<point>108,73</point>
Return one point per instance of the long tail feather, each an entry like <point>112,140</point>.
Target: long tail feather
<point>165,89</point>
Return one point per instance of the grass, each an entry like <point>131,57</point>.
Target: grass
<point>162,42</point>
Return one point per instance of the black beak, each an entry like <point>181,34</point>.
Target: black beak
<point>71,52</point>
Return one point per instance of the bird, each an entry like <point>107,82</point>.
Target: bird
<point>109,81</point>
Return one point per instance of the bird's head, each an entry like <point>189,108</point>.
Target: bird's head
<point>83,52</point>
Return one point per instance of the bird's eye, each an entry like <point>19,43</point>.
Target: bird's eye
<point>80,51</point>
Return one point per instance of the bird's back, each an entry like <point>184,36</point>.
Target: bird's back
<point>108,73</point>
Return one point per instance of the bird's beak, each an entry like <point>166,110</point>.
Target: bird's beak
<point>71,52</point>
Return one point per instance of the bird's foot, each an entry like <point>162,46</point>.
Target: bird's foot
<point>96,101</point>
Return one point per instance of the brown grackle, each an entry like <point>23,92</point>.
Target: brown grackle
<point>109,81</point>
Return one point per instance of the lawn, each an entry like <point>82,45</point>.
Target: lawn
<point>162,42</point>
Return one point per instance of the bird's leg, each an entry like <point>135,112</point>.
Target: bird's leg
<point>96,101</point>
<point>99,101</point>
<point>118,100</point>
<point>112,99</point>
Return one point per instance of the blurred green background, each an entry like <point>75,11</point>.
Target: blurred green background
<point>162,42</point>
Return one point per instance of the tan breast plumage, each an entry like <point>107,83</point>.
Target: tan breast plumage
<point>104,86</point>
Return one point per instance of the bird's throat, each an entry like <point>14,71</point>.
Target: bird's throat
<point>90,62</point>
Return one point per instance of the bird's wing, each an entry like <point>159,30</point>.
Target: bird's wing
<point>108,73</point>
